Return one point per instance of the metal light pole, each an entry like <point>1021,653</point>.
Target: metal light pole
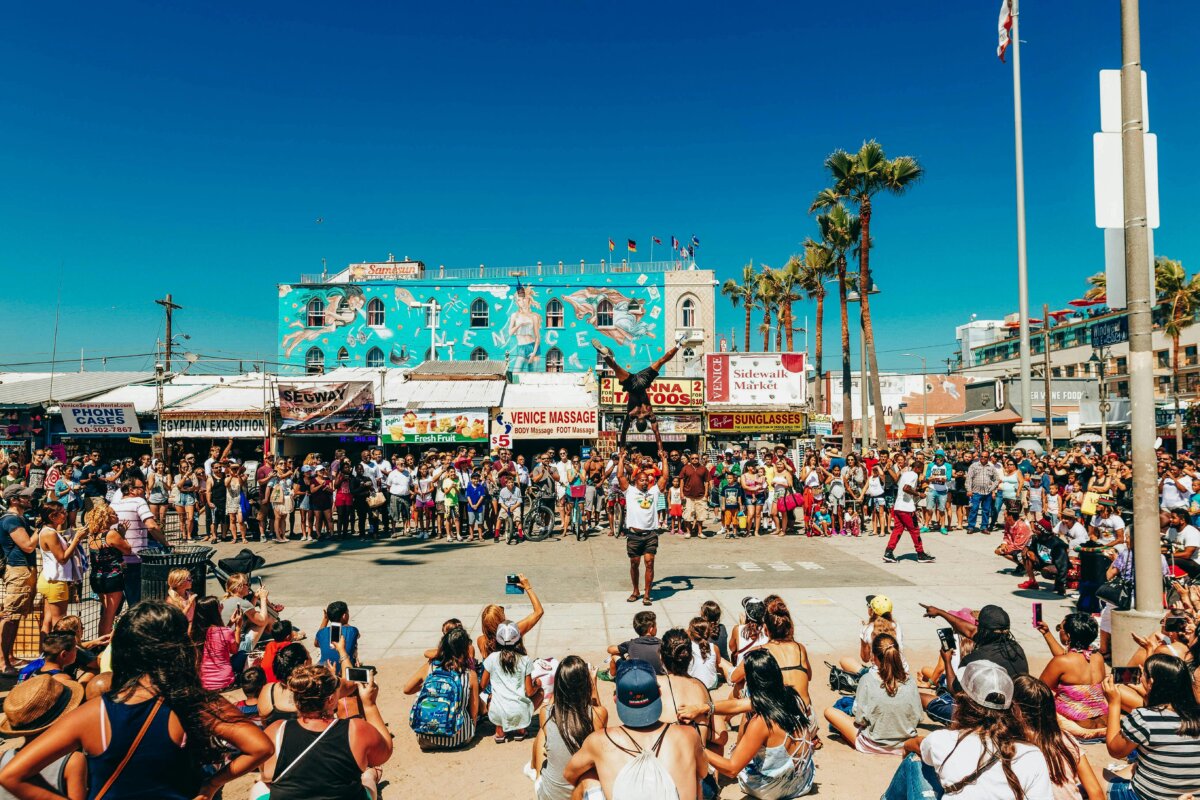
<point>1100,359</point>
<point>864,398</point>
<point>924,399</point>
<point>1146,561</point>
<point>432,308</point>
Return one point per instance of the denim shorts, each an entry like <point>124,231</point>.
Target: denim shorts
<point>936,501</point>
<point>187,499</point>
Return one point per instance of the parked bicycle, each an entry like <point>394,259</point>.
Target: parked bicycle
<point>538,513</point>
<point>577,524</point>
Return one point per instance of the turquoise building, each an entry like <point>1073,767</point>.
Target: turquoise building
<point>537,319</point>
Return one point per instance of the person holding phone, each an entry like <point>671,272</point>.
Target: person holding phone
<point>1075,676</point>
<point>335,625</point>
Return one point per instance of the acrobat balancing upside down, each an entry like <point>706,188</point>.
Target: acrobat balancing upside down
<point>638,408</point>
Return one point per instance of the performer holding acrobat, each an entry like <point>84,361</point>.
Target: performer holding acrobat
<point>638,407</point>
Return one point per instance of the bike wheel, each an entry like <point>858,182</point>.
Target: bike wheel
<point>580,527</point>
<point>540,522</point>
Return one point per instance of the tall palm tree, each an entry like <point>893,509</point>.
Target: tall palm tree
<point>1181,297</point>
<point>839,231</point>
<point>817,269</point>
<point>1097,286</point>
<point>745,292</point>
<point>858,178</point>
<point>768,295</point>
<point>788,277</point>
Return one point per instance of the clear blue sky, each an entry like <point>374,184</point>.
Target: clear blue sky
<point>189,148</point>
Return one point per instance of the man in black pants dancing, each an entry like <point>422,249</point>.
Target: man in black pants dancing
<point>638,406</point>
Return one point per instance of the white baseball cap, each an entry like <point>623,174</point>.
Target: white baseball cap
<point>509,634</point>
<point>987,683</point>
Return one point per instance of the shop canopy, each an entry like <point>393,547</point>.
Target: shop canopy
<point>552,390</point>
<point>979,417</point>
<point>442,394</point>
<point>61,387</point>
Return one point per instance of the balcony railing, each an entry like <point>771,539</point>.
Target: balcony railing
<point>537,270</point>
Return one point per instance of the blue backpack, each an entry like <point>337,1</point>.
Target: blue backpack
<point>440,709</point>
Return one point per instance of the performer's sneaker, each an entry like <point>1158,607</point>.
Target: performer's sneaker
<point>889,556</point>
<point>925,558</point>
<point>604,351</point>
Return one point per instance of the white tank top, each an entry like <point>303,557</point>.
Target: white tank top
<point>54,571</point>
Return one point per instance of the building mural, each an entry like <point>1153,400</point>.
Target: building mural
<point>538,323</point>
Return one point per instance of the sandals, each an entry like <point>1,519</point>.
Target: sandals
<point>647,602</point>
<point>633,598</point>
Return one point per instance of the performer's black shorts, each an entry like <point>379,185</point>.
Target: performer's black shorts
<point>636,385</point>
<point>640,543</point>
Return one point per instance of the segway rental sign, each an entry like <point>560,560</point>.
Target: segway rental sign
<point>85,419</point>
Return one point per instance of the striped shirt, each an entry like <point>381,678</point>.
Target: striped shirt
<point>1167,764</point>
<point>134,512</point>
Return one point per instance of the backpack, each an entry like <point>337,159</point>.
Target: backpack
<point>645,777</point>
<point>842,681</point>
<point>440,709</point>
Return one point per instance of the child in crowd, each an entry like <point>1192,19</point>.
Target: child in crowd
<point>852,521</point>
<point>731,504</point>
<point>835,493</point>
<point>337,614</point>
<point>251,682</point>
<point>506,672</point>
<point>510,507</point>
<point>675,506</point>
<point>711,612</point>
<point>476,494</point>
<point>58,654</point>
<point>820,521</point>
<point>1054,504</point>
<point>30,709</point>
<point>179,592</point>
<point>86,664</point>
<point>644,647</point>
<point>706,665</point>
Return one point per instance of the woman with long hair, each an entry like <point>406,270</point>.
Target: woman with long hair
<point>1165,732</point>
<point>707,663</point>
<point>157,733</point>
<point>189,483</point>
<point>790,655</point>
<point>783,485</point>
<point>158,491</point>
<point>750,633</point>
<point>61,566</point>
<point>515,696</point>
<point>451,661</point>
<point>563,725</point>
<point>879,621</point>
<point>1075,676</point>
<point>1034,707</point>
<point>300,498</point>
<point>216,644</point>
<point>683,690</point>
<point>754,494</point>
<point>887,706</point>
<point>774,753</point>
<point>493,615</point>
<point>320,502</point>
<point>108,547</point>
<point>234,486</point>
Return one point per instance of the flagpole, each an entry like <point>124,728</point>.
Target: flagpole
<point>1026,428</point>
<point>651,249</point>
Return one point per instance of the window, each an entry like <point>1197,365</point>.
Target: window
<point>554,360</point>
<point>1189,356</point>
<point>479,354</point>
<point>431,313</point>
<point>604,314</point>
<point>1055,372</point>
<point>314,361</point>
<point>1162,358</point>
<point>375,358</point>
<point>1123,389</point>
<point>687,312</point>
<point>479,313</point>
<point>343,356</point>
<point>1122,365</point>
<point>375,313</point>
<point>1164,385</point>
<point>554,313</point>
<point>315,313</point>
<point>688,354</point>
<point>1070,371</point>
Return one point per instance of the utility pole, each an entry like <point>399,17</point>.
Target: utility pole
<point>1046,375</point>
<point>1146,560</point>
<point>169,307</point>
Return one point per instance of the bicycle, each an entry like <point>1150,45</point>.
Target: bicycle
<point>576,496</point>
<point>538,515</point>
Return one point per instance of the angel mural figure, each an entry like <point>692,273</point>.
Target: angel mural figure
<point>638,407</point>
<point>525,326</point>
<point>344,307</point>
<point>612,314</point>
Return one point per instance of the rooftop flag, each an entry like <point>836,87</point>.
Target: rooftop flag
<point>1004,27</point>
<point>631,246</point>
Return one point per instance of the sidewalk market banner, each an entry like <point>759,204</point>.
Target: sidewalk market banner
<point>435,427</point>
<point>87,419</point>
<point>319,408</point>
<point>755,379</point>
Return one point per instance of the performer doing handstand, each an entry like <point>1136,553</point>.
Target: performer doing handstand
<point>638,407</point>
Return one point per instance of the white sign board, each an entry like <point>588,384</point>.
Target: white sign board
<point>236,427</point>
<point>1114,265</point>
<point>85,419</point>
<point>1110,183</point>
<point>1110,101</point>
<point>774,380</point>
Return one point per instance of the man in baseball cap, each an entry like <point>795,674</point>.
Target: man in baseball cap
<point>1046,553</point>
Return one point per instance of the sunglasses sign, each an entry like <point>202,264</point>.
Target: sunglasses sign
<point>87,419</point>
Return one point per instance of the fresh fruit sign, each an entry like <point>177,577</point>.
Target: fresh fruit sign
<point>434,427</point>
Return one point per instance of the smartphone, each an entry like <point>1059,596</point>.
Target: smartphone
<point>946,636</point>
<point>359,674</point>
<point>1174,624</point>
<point>1127,675</point>
<point>335,632</point>
<point>1037,614</point>
<point>512,585</point>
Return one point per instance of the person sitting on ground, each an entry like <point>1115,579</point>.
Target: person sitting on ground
<point>791,656</point>
<point>447,626</point>
<point>251,683</point>
<point>280,635</point>
<point>774,753</point>
<point>993,642</point>
<point>710,610</point>
<point>321,755</point>
<point>58,654</point>
<point>445,711</point>
<point>179,592</point>
<point>216,644</point>
<point>275,700</point>
<point>984,753</point>
<point>707,666</point>
<point>1034,708</point>
<point>1046,554</point>
<point>336,613</point>
<point>879,620</point>
<point>684,690</point>
<point>188,732</point>
<point>29,711</point>
<point>644,647</point>
<point>493,615</point>
<point>642,757</point>
<point>1016,539</point>
<point>87,661</point>
<point>563,726</point>
<point>886,708</point>
<point>1075,677</point>
<point>750,633</point>
<point>1165,732</point>
<point>514,696</point>
<point>255,617</point>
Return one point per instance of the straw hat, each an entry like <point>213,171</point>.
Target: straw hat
<point>33,705</point>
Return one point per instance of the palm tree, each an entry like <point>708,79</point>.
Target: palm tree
<point>858,178</point>
<point>768,295</point>
<point>839,231</point>
<point>816,270</point>
<point>1181,296</point>
<point>745,292</point>
<point>1097,287</point>
<point>788,277</point>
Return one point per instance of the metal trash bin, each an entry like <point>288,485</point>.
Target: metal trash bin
<point>157,565</point>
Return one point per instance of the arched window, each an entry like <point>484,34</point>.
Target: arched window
<point>315,313</point>
<point>554,313</point>
<point>479,313</point>
<point>375,358</point>
<point>554,360</point>
<point>431,313</point>
<point>375,316</point>
<point>601,366</point>
<point>604,314</point>
<point>343,356</point>
<point>479,354</point>
<point>687,312</point>
<point>689,355</point>
<point>314,361</point>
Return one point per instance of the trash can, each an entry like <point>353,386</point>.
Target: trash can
<point>157,565</point>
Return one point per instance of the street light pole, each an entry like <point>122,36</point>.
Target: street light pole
<point>924,399</point>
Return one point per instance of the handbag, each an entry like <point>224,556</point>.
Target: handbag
<point>376,500</point>
<point>1118,592</point>
<point>789,502</point>
<point>842,681</point>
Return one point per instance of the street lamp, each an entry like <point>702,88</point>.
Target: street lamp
<point>1100,358</point>
<point>924,399</point>
<point>432,308</point>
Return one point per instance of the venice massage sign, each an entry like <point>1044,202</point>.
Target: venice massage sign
<point>547,423</point>
<point>755,379</point>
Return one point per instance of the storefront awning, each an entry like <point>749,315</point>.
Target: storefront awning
<point>980,417</point>
<point>442,394</point>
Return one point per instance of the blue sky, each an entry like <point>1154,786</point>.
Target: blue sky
<point>189,148</point>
